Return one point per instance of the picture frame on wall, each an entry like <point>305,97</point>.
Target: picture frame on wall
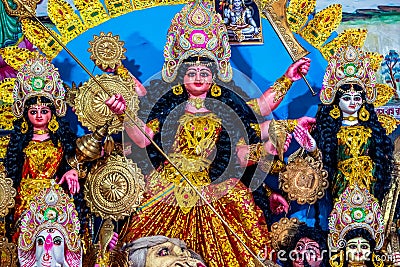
<point>242,20</point>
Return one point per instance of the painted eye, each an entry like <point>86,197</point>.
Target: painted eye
<point>191,74</point>
<point>346,98</point>
<point>364,246</point>
<point>313,253</point>
<point>204,74</point>
<point>40,241</point>
<point>33,112</point>
<point>352,246</point>
<point>57,241</point>
<point>45,111</point>
<point>357,98</point>
<point>163,252</point>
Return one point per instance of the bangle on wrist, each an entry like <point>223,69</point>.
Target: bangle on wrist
<point>154,125</point>
<point>281,86</point>
<point>78,166</point>
<point>256,152</point>
<point>256,127</point>
<point>253,104</point>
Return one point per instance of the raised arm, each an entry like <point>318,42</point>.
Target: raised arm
<point>271,98</point>
<point>117,104</point>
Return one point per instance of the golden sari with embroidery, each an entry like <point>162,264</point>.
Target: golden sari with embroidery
<point>172,208</point>
<point>40,165</point>
<point>355,166</point>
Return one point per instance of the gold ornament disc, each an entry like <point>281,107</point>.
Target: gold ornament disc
<point>114,188</point>
<point>304,180</point>
<point>90,100</point>
<point>283,231</point>
<point>107,51</point>
<point>7,194</point>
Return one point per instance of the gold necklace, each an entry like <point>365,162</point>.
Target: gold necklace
<point>198,103</point>
<point>350,118</point>
<point>40,132</point>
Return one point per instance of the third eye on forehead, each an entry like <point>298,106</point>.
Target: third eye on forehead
<point>198,69</point>
<point>349,96</point>
<point>354,94</point>
<point>39,107</point>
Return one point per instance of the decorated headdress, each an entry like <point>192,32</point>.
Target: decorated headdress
<point>350,65</point>
<point>197,31</point>
<point>51,209</point>
<point>356,208</point>
<point>38,77</point>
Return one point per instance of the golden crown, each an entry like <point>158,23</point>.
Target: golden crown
<point>51,208</point>
<point>356,208</point>
<point>38,77</point>
<point>197,31</point>
<point>350,65</point>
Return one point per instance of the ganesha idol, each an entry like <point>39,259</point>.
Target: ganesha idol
<point>50,232</point>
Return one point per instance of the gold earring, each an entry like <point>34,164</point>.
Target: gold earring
<point>215,90</point>
<point>333,262</point>
<point>363,114</point>
<point>53,124</point>
<point>335,112</point>
<point>24,126</point>
<point>177,89</point>
<point>376,261</point>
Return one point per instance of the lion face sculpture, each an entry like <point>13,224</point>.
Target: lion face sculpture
<point>161,251</point>
<point>169,254</point>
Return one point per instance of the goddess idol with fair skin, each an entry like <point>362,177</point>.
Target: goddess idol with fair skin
<point>207,120</point>
<point>41,140</point>
<point>40,117</point>
<point>199,120</point>
<point>354,144</point>
<point>198,81</point>
<point>359,250</point>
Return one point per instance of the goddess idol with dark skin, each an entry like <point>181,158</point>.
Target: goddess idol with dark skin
<point>308,248</point>
<point>199,120</point>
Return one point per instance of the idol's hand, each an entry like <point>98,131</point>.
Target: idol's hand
<point>306,122</point>
<point>278,204</point>
<point>71,177</point>
<point>304,138</point>
<point>297,68</point>
<point>269,147</point>
<point>113,242</point>
<point>117,104</point>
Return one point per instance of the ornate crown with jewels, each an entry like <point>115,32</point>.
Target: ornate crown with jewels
<point>38,77</point>
<point>356,208</point>
<point>197,30</point>
<point>51,208</point>
<point>350,65</point>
